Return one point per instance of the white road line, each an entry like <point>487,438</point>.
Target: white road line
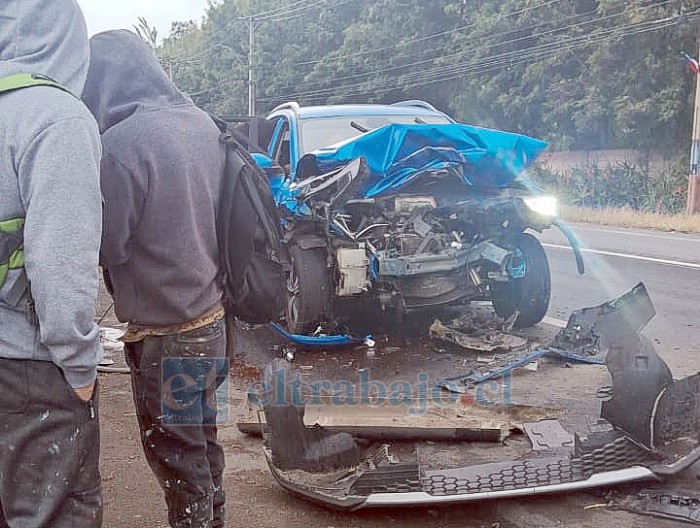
<point>664,236</point>
<point>553,321</point>
<point>665,262</point>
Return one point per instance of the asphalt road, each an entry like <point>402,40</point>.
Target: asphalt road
<point>617,259</point>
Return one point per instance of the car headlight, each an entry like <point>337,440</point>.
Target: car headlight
<point>543,205</point>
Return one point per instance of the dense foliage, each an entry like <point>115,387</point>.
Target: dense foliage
<point>621,184</point>
<point>583,74</point>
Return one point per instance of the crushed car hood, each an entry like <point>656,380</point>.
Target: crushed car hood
<point>398,154</point>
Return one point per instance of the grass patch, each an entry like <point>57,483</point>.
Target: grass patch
<point>623,217</point>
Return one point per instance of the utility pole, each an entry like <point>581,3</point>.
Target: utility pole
<point>251,66</point>
<point>693,204</point>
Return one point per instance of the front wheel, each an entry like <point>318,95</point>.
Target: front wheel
<point>528,295</point>
<point>308,290</point>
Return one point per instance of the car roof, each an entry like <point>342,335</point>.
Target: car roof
<point>309,112</point>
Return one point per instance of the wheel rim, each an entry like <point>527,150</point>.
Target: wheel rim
<point>292,298</point>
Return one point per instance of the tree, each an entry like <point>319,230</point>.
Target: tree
<point>583,74</point>
<point>148,33</point>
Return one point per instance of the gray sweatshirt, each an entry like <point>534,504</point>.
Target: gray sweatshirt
<point>49,174</point>
<point>161,176</point>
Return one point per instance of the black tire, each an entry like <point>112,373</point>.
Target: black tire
<point>530,294</point>
<point>308,290</point>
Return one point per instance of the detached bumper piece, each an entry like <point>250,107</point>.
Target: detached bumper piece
<point>648,428</point>
<point>664,505</point>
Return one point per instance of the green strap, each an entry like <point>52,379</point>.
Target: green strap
<point>15,260</point>
<point>12,225</point>
<point>26,80</point>
<point>15,225</point>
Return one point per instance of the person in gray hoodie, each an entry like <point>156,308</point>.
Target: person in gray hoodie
<point>161,175</point>
<point>49,343</point>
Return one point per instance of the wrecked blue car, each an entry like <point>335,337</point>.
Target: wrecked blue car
<point>401,207</point>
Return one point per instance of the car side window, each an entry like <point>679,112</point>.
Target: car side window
<point>281,153</point>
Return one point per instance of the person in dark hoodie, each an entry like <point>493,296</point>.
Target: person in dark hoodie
<point>49,343</point>
<point>161,175</point>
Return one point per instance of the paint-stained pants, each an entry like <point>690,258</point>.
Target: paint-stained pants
<point>185,457</point>
<point>49,450</point>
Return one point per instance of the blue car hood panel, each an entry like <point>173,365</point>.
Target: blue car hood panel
<point>398,154</point>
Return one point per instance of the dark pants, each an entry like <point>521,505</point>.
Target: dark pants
<point>49,450</point>
<point>174,379</point>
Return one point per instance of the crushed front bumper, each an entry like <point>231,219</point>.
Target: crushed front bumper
<point>648,428</point>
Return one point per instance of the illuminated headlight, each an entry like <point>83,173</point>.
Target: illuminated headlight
<point>543,205</point>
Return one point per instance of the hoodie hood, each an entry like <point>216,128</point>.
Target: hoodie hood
<point>47,38</point>
<point>125,77</point>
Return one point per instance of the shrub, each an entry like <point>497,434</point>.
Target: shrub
<point>619,184</point>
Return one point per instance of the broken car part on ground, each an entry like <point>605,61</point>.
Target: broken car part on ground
<point>645,425</point>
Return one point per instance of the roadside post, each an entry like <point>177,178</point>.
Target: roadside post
<point>693,204</point>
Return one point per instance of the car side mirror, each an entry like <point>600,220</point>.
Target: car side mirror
<point>269,166</point>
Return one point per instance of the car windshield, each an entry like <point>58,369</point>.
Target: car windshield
<point>322,132</point>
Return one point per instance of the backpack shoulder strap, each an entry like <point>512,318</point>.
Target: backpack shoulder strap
<point>11,239</point>
<point>26,80</point>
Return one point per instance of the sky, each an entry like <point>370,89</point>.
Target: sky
<point>123,14</point>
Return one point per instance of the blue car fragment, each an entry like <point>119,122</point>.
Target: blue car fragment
<point>321,341</point>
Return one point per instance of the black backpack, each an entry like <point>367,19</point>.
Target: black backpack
<point>249,234</point>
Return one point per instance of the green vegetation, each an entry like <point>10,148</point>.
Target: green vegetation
<point>618,185</point>
<point>583,74</point>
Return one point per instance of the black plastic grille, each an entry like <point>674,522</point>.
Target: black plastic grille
<point>553,467</point>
